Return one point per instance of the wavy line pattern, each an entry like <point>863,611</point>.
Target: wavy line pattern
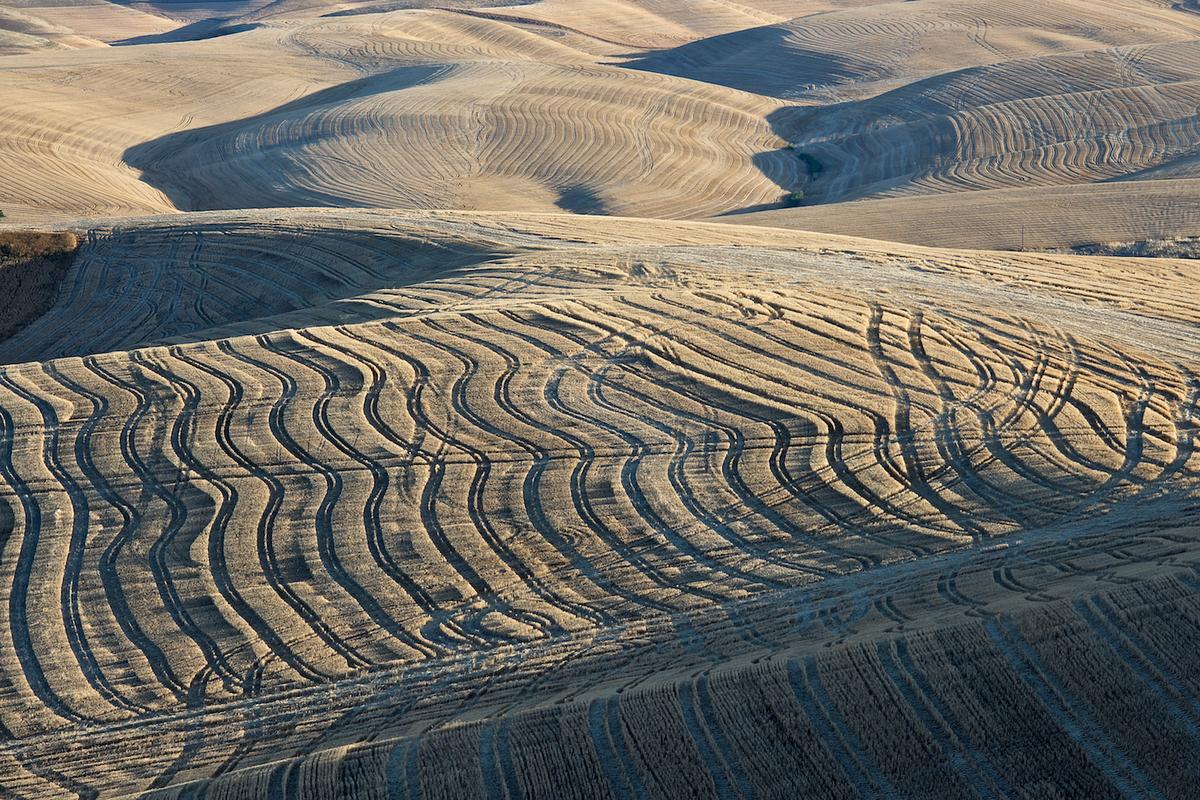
<point>316,555</point>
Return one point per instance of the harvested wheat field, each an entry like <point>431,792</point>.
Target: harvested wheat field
<point>435,400</point>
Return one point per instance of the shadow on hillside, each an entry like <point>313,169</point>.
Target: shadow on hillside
<point>169,162</point>
<point>151,284</point>
<point>192,32</point>
<point>765,61</point>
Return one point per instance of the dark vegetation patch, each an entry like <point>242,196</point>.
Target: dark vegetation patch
<point>580,199</point>
<point>1179,247</point>
<point>32,266</point>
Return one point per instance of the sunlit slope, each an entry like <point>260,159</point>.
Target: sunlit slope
<point>418,535</point>
<point>1078,118</point>
<point>416,109</point>
<point>653,24</point>
<point>1036,217</point>
<point>30,25</point>
<point>68,120</point>
<point>860,51</point>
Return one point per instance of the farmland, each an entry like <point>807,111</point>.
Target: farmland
<point>435,400</point>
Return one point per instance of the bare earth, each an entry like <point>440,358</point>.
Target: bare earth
<point>414,420</point>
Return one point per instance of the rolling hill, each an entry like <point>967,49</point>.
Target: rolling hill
<point>308,503</point>
<point>440,405</point>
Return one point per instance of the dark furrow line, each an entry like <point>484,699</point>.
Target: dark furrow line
<point>176,517</point>
<point>77,638</point>
<point>428,504</point>
<point>709,721</point>
<point>376,541</point>
<point>616,768</point>
<point>531,485</point>
<point>130,522</point>
<point>952,724</point>
<point>914,470</point>
<point>414,449</point>
<point>632,487</point>
<point>372,524</point>
<point>580,496</point>
<point>736,447</point>
<point>460,402</point>
<point>182,434</point>
<point>193,732</point>
<point>582,499</point>
<point>1045,417</point>
<point>836,431</point>
<point>323,523</point>
<point>23,568</point>
<point>948,438</point>
<point>1071,717</point>
<point>268,560</point>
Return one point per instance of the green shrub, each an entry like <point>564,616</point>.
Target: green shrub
<point>793,199</point>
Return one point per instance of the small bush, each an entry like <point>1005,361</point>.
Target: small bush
<point>793,199</point>
<point>24,244</point>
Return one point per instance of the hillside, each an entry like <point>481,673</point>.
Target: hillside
<point>1033,218</point>
<point>309,469</point>
<point>599,399</point>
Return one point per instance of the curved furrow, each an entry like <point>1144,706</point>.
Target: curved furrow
<point>630,467</point>
<point>779,429</point>
<point>130,523</point>
<point>73,565</point>
<point>480,518</point>
<point>414,450</point>
<point>1134,414</point>
<point>176,517</point>
<point>1045,418</point>
<point>689,498</point>
<point>835,434</point>
<point>581,498</point>
<point>380,480</point>
<point>430,517</point>
<point>834,438</point>
<point>376,541</point>
<point>948,436</point>
<point>914,469</point>
<point>23,569</point>
<point>323,521</point>
<point>531,484</point>
<point>718,519</point>
<point>183,436</point>
<point>268,557</point>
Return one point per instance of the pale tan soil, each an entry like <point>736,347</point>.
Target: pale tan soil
<point>1034,218</point>
<point>354,460</point>
<point>394,435</point>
